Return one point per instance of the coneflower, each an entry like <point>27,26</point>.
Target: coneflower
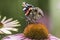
<point>8,25</point>
<point>36,31</point>
<point>33,32</point>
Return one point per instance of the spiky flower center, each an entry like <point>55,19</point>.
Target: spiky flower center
<point>1,25</point>
<point>36,31</point>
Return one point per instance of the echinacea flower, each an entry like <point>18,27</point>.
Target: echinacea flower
<point>22,37</point>
<point>8,25</point>
<point>32,29</point>
<point>32,32</point>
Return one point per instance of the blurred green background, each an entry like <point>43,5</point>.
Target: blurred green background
<point>55,17</point>
<point>13,9</point>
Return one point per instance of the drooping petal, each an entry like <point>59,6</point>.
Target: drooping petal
<point>5,31</point>
<point>8,26</point>
<point>22,37</point>
<point>3,19</point>
<point>12,23</point>
<point>51,37</point>
<point>15,21</point>
<point>16,37</point>
<point>12,29</point>
<point>8,20</point>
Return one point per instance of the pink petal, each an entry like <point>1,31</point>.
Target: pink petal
<point>22,37</point>
<point>16,37</point>
<point>51,37</point>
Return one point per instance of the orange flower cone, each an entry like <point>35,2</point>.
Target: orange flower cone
<point>36,31</point>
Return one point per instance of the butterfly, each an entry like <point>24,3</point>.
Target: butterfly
<point>32,13</point>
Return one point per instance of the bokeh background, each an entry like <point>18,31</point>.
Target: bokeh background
<point>13,9</point>
<point>54,7</point>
